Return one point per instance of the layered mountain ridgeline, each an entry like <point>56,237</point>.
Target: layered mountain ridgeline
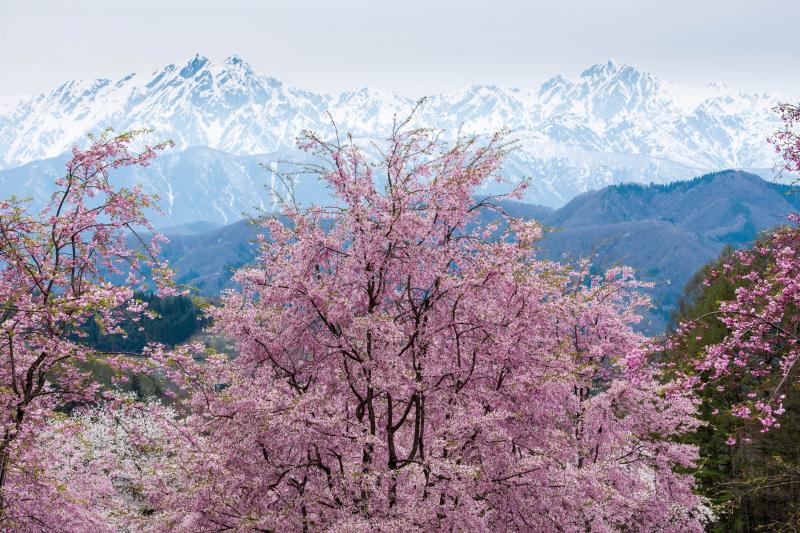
<point>206,260</point>
<point>665,232</point>
<point>611,124</point>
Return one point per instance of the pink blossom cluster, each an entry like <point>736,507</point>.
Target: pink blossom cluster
<point>761,348</point>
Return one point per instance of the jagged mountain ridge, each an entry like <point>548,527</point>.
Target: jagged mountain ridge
<point>611,124</point>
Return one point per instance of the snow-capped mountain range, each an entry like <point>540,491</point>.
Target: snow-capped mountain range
<point>611,124</point>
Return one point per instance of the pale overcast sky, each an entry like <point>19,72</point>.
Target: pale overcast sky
<point>414,47</point>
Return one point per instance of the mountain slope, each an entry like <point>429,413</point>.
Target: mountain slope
<point>667,231</point>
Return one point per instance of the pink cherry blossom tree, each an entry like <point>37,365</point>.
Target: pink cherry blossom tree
<point>405,362</point>
<point>54,270</point>
<point>762,347</point>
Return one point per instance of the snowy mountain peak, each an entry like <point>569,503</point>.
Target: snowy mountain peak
<point>193,66</point>
<point>603,70</point>
<point>612,122</point>
<point>234,59</point>
<point>612,74</point>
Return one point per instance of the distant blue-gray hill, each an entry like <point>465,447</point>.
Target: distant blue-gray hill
<point>666,232</point>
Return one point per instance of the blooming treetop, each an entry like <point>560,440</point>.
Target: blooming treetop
<point>404,366</point>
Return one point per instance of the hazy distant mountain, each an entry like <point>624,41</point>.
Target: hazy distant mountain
<point>611,124</point>
<point>666,232</point>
